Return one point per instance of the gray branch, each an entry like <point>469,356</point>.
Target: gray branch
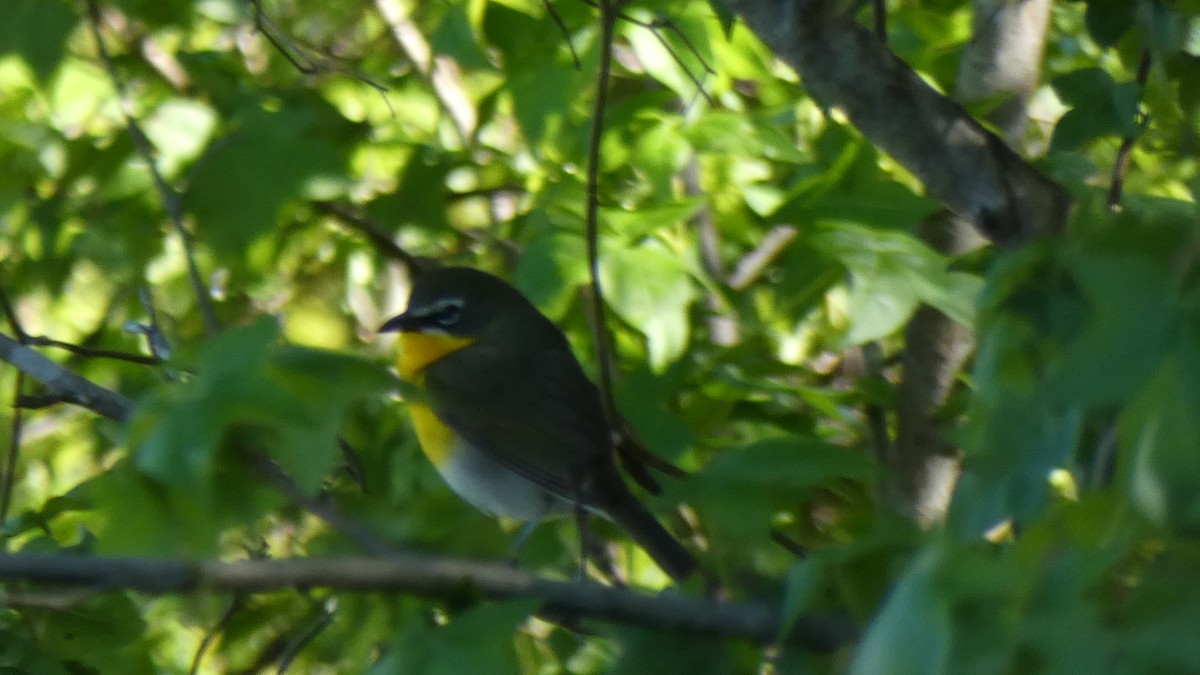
<point>962,165</point>
<point>63,383</point>
<point>1003,58</point>
<point>432,577</point>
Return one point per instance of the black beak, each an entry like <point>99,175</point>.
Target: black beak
<point>398,323</point>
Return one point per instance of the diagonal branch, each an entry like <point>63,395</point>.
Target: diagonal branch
<point>145,150</point>
<point>64,383</point>
<point>436,577</point>
<point>961,164</point>
<point>440,72</point>
<point>376,234</point>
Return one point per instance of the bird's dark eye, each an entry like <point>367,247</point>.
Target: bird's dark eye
<point>448,314</point>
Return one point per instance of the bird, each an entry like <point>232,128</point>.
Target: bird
<point>506,414</point>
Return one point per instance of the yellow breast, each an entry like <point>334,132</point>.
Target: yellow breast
<point>437,439</point>
<point>418,350</point>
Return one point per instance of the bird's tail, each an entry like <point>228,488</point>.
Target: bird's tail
<point>619,504</point>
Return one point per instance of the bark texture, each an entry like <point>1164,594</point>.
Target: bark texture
<point>974,173</point>
<point>990,192</point>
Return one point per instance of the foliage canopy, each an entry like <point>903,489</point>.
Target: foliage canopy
<point>750,239</point>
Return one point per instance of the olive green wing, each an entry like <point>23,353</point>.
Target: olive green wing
<point>539,416</point>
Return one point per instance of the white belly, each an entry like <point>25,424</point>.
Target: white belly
<point>493,488</point>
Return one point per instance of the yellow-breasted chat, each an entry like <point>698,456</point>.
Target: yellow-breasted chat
<point>506,413</point>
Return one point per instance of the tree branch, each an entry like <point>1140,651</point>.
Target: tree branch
<point>8,479</point>
<point>1125,152</point>
<point>62,382</point>
<point>145,150</point>
<point>1003,58</point>
<point>961,164</point>
<point>440,72</point>
<point>608,18</point>
<point>92,352</point>
<point>376,234</point>
<point>431,577</point>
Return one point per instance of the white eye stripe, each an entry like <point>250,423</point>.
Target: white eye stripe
<point>432,309</point>
<point>445,312</point>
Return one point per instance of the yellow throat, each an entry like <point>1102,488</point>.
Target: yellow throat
<point>418,350</point>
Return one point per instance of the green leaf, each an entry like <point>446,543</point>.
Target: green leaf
<point>652,290</point>
<point>38,31</point>
<point>1117,287</point>
<point>892,273</point>
<point>661,152</point>
<point>633,225</point>
<point>1100,107</point>
<point>740,490</point>
<point>1108,20</point>
<point>480,640</point>
<point>178,433</point>
<point>878,307</point>
<point>191,441</point>
<point>803,582</point>
<point>648,401</point>
<point>913,632</point>
<point>550,272</point>
<point>97,633</point>
<point>1162,431</point>
<point>648,651</point>
<point>420,199</point>
<point>269,159</point>
<point>22,653</point>
<point>179,130</point>
<point>678,57</point>
<point>733,133</point>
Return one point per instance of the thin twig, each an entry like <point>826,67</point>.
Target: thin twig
<point>670,25</point>
<point>320,622</point>
<point>92,352</point>
<point>156,339</point>
<point>14,438</point>
<point>788,544</point>
<point>440,74</point>
<point>608,16</point>
<point>39,401</point>
<point>562,26</point>
<point>143,147</point>
<point>629,449</point>
<point>723,327</point>
<point>870,366</point>
<point>10,315</point>
<point>235,605</point>
<point>667,23</point>
<point>302,62</point>
<point>1125,152</point>
<point>435,577</point>
<point>351,529</point>
<point>754,263</point>
<point>14,450</point>
<point>380,238</point>
<point>1104,459</point>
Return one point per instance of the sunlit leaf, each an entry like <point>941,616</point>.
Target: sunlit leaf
<point>652,290</point>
